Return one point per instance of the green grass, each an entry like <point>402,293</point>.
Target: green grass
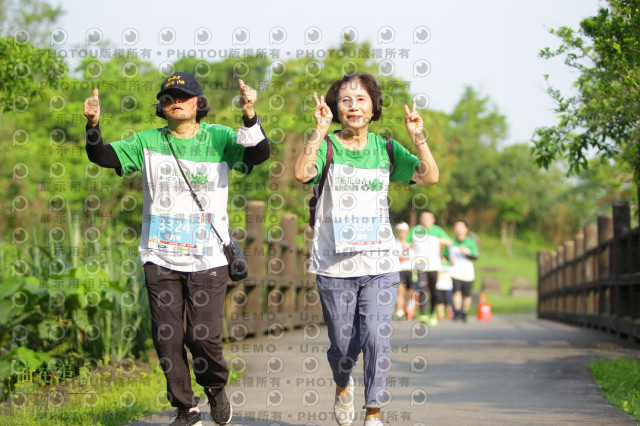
<point>505,304</point>
<point>109,397</point>
<point>495,262</point>
<point>619,380</point>
<point>493,255</point>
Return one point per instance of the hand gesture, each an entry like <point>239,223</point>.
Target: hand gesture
<point>446,242</point>
<point>248,98</point>
<point>414,123</point>
<point>322,114</point>
<point>92,109</point>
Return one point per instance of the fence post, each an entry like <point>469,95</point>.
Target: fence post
<point>255,255</point>
<point>254,252</point>
<point>544,269</point>
<point>541,282</point>
<point>590,242</point>
<point>580,296</point>
<point>578,241</point>
<point>605,233</point>
<point>553,306</point>
<point>560,280</point>
<point>289,255</point>
<point>620,295</point>
<point>569,278</point>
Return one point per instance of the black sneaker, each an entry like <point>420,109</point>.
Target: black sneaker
<point>464,317</point>
<point>187,418</point>
<point>221,411</point>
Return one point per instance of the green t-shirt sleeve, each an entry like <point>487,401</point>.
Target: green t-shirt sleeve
<point>234,152</point>
<point>410,236</point>
<point>405,164</point>
<point>440,233</point>
<point>130,152</point>
<point>472,246</point>
<point>321,160</point>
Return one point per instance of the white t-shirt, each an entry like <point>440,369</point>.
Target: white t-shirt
<point>170,231</point>
<point>444,279</point>
<point>357,183</point>
<point>426,246</point>
<point>462,267</point>
<point>405,255</point>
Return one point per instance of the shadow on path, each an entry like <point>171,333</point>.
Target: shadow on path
<point>514,370</point>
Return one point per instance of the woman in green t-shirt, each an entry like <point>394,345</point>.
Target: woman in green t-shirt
<point>353,244</point>
<point>182,260</point>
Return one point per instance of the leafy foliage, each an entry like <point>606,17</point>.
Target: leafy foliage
<point>602,116</point>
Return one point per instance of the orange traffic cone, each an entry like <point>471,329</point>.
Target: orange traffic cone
<point>484,309</point>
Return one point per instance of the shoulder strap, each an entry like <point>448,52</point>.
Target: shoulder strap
<point>390,153</point>
<point>193,194</point>
<point>317,190</point>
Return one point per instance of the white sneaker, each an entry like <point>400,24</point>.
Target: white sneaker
<point>343,407</point>
<point>373,421</point>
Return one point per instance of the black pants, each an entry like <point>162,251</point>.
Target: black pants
<point>201,295</point>
<point>427,281</point>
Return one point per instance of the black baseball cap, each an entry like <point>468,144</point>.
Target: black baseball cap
<point>180,82</point>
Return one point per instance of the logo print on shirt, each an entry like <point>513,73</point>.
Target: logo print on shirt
<point>197,179</point>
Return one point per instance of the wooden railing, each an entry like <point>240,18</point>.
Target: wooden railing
<point>594,279</point>
<point>278,294</point>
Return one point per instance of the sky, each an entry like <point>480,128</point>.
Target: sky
<point>439,47</point>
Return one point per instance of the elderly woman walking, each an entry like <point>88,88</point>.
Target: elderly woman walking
<point>185,168</point>
<point>353,244</point>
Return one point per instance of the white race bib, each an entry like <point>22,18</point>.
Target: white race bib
<point>362,230</point>
<point>170,231</point>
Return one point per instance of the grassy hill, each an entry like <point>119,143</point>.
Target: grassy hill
<point>495,263</point>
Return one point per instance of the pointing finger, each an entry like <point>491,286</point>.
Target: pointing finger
<point>406,110</point>
<point>315,99</point>
<point>414,103</point>
<point>241,83</point>
<point>322,100</point>
<point>95,92</point>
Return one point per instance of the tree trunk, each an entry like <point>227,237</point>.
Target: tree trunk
<point>503,231</point>
<point>512,236</point>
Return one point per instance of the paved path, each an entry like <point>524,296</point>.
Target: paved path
<point>515,370</point>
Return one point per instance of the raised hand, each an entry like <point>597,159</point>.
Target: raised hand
<point>92,109</point>
<point>414,123</point>
<point>248,98</point>
<point>322,114</point>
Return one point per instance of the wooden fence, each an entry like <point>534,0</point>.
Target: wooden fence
<point>278,294</point>
<point>594,279</point>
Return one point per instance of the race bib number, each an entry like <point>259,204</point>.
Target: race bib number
<point>187,233</point>
<point>444,281</point>
<point>356,231</point>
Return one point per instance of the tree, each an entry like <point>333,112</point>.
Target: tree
<point>34,19</point>
<point>25,68</point>
<point>475,129</point>
<point>602,116</point>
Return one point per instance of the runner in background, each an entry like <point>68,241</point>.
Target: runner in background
<point>461,255</point>
<point>444,285</point>
<point>428,240</point>
<point>405,253</point>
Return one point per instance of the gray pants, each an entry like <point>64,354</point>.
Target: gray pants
<point>358,313</point>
